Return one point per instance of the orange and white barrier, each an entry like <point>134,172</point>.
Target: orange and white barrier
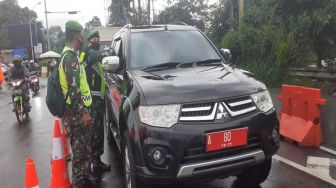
<point>59,172</point>
<point>31,177</point>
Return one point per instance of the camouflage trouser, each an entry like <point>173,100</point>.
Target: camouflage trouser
<point>97,115</point>
<point>80,139</point>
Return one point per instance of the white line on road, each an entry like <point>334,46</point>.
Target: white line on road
<point>328,150</point>
<point>306,170</point>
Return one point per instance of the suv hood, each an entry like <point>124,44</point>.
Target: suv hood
<point>200,83</point>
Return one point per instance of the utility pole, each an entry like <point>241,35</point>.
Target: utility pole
<point>149,12</point>
<point>139,11</point>
<point>153,10</point>
<point>31,40</point>
<point>31,34</point>
<point>133,6</point>
<point>241,11</point>
<point>46,16</point>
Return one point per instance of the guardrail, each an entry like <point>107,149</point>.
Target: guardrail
<point>312,72</point>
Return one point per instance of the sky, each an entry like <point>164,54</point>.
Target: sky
<point>87,8</point>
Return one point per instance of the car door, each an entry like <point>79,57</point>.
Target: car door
<point>114,90</point>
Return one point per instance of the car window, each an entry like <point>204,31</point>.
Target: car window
<point>153,48</point>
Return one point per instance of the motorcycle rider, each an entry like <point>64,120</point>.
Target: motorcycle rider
<point>20,72</point>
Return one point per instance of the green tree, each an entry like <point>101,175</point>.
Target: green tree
<point>94,22</point>
<point>120,12</point>
<point>277,34</point>
<point>11,13</point>
<point>192,12</point>
<point>57,38</point>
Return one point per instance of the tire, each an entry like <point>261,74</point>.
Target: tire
<point>255,175</point>
<point>130,180</point>
<point>18,113</point>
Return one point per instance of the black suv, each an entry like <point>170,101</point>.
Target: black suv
<point>178,111</point>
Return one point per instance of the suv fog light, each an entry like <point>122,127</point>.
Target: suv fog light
<point>158,156</point>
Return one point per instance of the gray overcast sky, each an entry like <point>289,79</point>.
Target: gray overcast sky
<point>88,8</point>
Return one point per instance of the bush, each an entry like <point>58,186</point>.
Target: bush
<point>275,35</point>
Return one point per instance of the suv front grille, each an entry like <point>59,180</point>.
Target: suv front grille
<point>239,106</point>
<point>209,110</point>
<point>198,112</point>
<point>199,154</point>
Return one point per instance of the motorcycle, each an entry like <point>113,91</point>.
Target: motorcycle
<point>20,107</point>
<point>34,82</point>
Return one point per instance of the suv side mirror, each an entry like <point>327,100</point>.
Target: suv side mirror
<point>226,53</point>
<point>111,64</point>
<point>113,52</point>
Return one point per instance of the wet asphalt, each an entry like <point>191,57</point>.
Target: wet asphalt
<point>34,139</point>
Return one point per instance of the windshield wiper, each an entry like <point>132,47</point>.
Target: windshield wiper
<point>171,65</point>
<point>208,62</point>
<point>162,66</point>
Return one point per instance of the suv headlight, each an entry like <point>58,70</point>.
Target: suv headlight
<point>160,115</point>
<point>263,100</point>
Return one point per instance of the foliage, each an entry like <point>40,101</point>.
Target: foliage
<point>57,39</point>
<point>277,34</point>
<point>120,12</point>
<point>221,20</point>
<point>94,22</point>
<point>11,13</point>
<point>191,12</point>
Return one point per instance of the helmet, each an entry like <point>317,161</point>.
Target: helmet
<point>31,61</point>
<point>17,58</point>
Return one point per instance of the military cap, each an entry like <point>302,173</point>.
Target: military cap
<point>94,34</point>
<point>73,25</point>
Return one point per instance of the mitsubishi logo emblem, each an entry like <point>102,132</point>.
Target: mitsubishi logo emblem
<point>221,112</point>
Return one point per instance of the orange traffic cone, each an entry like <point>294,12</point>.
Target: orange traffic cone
<point>31,177</point>
<point>64,139</point>
<point>59,172</point>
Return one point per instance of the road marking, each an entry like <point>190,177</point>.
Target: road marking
<point>328,150</point>
<point>306,170</point>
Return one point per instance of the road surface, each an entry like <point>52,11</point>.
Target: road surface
<point>34,139</point>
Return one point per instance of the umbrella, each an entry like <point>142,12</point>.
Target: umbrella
<point>50,54</point>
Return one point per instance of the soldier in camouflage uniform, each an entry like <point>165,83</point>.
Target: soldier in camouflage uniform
<point>92,58</point>
<point>77,120</point>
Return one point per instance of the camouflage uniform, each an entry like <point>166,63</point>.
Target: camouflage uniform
<point>97,116</point>
<point>96,81</point>
<point>80,135</point>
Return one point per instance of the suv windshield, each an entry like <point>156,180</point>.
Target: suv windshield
<point>155,48</point>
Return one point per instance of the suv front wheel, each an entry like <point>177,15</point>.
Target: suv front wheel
<point>130,180</point>
<point>255,175</point>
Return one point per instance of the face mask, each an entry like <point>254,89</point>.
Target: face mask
<point>95,46</point>
<point>17,64</point>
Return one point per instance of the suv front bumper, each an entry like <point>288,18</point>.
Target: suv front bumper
<point>222,164</point>
<point>185,146</point>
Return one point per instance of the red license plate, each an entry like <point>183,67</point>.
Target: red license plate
<point>226,139</point>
